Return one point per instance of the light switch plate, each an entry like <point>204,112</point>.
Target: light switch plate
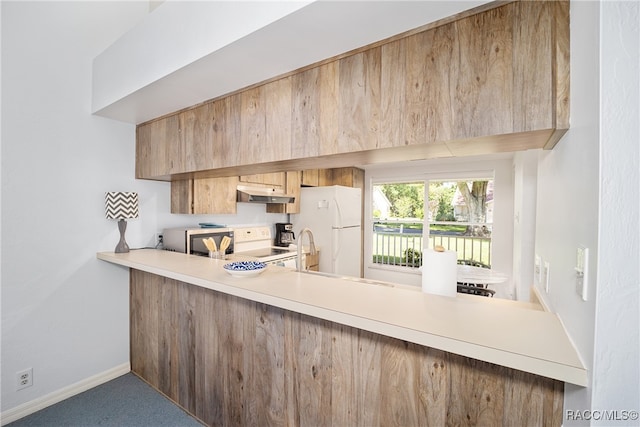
<point>537,271</point>
<point>545,276</point>
<point>582,272</point>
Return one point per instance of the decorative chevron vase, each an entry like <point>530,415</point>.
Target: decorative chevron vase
<point>121,205</point>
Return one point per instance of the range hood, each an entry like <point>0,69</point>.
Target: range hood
<point>263,195</point>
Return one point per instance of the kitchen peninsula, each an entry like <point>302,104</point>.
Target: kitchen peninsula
<point>295,348</point>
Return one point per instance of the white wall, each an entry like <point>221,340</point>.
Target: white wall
<point>502,248</point>
<point>567,203</point>
<point>64,313</point>
<point>578,180</point>
<point>525,182</point>
<point>616,364</point>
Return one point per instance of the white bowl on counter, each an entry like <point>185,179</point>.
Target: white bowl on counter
<point>245,268</point>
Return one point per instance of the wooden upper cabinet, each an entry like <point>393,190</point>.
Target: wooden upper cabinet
<point>158,147</point>
<point>204,196</point>
<point>210,135</point>
<point>348,177</point>
<point>276,179</point>
<point>197,133</point>
<point>276,144</point>
<point>489,81</point>
<point>292,186</point>
<point>359,102</point>
<point>309,178</point>
<point>305,114</point>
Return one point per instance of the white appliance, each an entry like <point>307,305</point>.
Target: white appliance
<point>256,243</point>
<point>333,214</point>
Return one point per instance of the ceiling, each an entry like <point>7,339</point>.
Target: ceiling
<point>303,35</point>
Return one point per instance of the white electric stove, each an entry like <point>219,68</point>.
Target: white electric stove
<point>257,243</point>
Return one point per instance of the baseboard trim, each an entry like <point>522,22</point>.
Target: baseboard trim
<point>52,398</point>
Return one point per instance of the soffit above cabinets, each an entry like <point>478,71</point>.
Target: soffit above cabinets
<point>185,53</point>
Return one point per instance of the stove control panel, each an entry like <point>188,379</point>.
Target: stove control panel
<point>252,234</point>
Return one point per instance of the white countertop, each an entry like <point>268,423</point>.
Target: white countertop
<point>503,332</point>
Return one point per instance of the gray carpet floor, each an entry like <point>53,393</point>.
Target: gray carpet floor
<point>125,401</point>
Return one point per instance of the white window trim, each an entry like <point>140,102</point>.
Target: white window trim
<point>498,169</point>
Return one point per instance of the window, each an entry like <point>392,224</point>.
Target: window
<point>456,214</point>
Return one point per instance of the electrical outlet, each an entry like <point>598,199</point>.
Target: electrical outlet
<point>159,240</point>
<point>24,379</point>
<point>545,276</point>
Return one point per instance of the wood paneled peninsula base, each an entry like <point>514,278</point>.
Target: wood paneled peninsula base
<point>233,360</point>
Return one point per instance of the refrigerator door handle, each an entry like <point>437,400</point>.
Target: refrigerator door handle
<point>335,250</point>
<point>339,212</point>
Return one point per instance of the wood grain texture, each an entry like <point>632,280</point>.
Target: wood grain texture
<point>233,362</point>
<point>328,108</point>
<point>168,341</point>
<point>503,70</point>
<point>305,114</point>
<point>157,143</point>
<point>182,196</point>
<point>275,179</point>
<point>215,195</point>
<point>533,78</point>
<point>226,135</point>
<point>197,137</point>
<point>392,94</point>
<point>277,141</point>
<point>483,82</point>
<point>358,102</point>
<point>440,50</point>
<point>252,139</point>
<point>309,178</point>
<point>293,182</point>
<point>561,70</point>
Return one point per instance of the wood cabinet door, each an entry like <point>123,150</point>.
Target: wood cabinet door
<point>349,177</point>
<point>204,196</point>
<point>197,125</point>
<point>182,196</point>
<point>156,147</point>
<point>493,81</point>
<point>215,195</point>
<point>309,178</point>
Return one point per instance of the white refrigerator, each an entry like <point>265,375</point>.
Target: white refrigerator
<point>333,214</point>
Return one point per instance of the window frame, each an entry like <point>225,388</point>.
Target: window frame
<point>426,223</point>
<point>499,169</point>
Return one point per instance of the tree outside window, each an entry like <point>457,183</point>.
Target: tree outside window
<point>459,217</point>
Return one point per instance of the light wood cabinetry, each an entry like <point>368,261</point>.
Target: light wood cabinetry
<point>317,177</point>
<point>497,80</point>
<point>231,361</point>
<point>158,148</point>
<point>349,177</point>
<point>276,179</point>
<point>292,186</point>
<point>204,196</point>
<point>218,195</point>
